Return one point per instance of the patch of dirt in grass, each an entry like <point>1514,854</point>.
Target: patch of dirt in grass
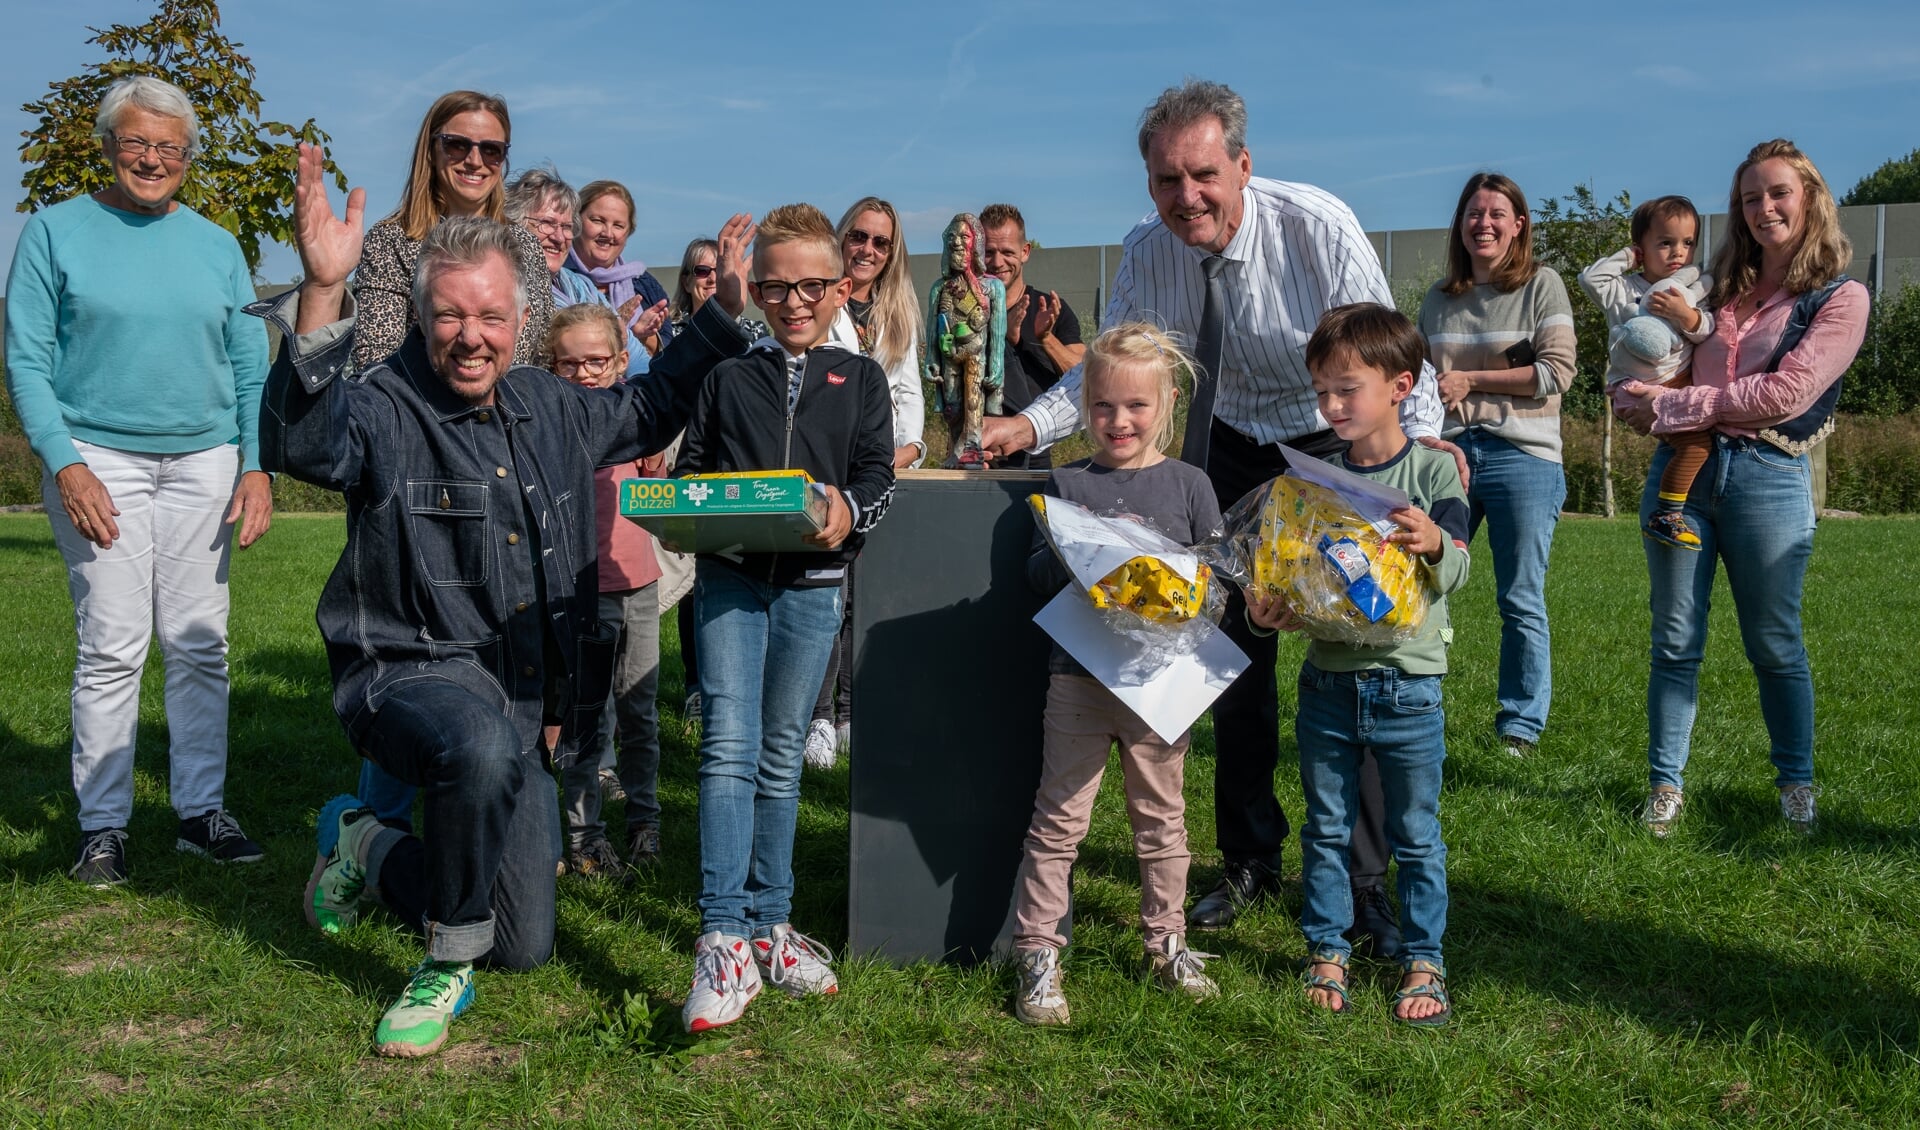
<point>166,1031</point>
<point>106,1084</point>
<point>110,935</point>
<point>477,1055</point>
<point>1739,1097</point>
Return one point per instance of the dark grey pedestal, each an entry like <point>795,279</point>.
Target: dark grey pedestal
<point>949,681</point>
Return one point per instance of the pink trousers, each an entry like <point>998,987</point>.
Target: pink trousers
<point>1083,721</point>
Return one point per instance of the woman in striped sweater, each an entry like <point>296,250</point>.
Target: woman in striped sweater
<point>1499,332</point>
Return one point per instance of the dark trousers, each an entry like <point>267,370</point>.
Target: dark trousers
<point>480,881</point>
<point>1249,822</point>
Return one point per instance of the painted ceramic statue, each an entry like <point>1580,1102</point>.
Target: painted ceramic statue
<point>966,339</point>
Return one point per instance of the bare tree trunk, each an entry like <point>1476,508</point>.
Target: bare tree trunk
<point>1606,463</point>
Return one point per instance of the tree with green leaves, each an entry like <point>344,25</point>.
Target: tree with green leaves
<point>1896,182</point>
<point>1569,234</point>
<point>242,176</point>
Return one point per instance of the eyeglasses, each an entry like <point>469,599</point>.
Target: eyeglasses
<point>773,292</point>
<point>549,227</point>
<point>140,147</point>
<point>880,243</point>
<point>456,147</point>
<point>705,271</point>
<point>591,366</point>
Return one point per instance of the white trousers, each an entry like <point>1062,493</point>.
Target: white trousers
<point>168,570</point>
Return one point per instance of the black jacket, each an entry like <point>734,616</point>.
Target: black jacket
<point>470,529</point>
<point>840,432</point>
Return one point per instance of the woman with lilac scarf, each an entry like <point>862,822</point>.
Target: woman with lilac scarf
<point>541,202</point>
<point>605,222</point>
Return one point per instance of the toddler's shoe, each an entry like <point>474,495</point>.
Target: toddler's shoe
<point>417,1023</point>
<point>1670,527</point>
<point>725,981</point>
<point>1038,1000</point>
<point>1180,970</point>
<point>794,963</point>
<point>1663,808</point>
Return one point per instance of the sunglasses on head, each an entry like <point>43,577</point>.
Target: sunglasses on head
<point>880,243</point>
<point>456,147</point>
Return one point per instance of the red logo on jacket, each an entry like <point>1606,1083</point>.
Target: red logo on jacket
<point>836,379</point>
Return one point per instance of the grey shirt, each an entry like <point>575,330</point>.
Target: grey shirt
<point>1176,499</point>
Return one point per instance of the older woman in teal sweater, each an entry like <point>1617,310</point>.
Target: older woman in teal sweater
<point>137,378</point>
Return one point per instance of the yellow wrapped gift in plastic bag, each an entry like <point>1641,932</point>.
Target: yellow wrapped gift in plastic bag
<point>1149,589</point>
<point>1336,572</point>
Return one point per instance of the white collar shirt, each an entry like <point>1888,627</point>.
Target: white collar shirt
<point>1298,253</point>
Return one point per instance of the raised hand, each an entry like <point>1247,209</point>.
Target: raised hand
<point>730,283</point>
<point>329,246</point>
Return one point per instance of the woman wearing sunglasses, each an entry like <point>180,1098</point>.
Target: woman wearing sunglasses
<point>880,320</point>
<point>459,169</point>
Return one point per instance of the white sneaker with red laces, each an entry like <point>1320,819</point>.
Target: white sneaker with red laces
<point>725,980</point>
<point>794,963</point>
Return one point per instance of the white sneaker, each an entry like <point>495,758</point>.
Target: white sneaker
<point>843,738</point>
<point>819,753</point>
<point>1179,969</point>
<point>1796,804</point>
<point>725,980</point>
<point>794,963</point>
<point>1038,1000</point>
<point>1663,808</point>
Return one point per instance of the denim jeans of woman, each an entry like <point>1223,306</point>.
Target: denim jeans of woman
<point>1752,506</point>
<point>1398,718</point>
<point>763,652</point>
<point>1519,497</point>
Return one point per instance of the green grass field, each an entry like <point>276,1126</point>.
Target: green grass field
<point>1732,975</point>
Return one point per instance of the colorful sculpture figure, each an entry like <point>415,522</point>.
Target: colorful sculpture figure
<point>966,339</point>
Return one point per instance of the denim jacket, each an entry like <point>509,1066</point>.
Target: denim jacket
<point>470,528</point>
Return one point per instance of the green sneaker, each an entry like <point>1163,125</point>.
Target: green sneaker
<point>346,829</point>
<point>417,1023</point>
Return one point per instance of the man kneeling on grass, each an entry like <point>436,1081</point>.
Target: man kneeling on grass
<point>461,617</point>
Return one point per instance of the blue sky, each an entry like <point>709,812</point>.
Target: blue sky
<point>705,109</point>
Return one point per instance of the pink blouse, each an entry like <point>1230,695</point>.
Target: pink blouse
<point>1732,392</point>
<point>626,550</point>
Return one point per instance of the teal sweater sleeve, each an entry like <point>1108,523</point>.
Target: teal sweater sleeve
<point>129,332</point>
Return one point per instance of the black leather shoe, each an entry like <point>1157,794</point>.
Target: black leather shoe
<point>1375,932</point>
<point>1244,882</point>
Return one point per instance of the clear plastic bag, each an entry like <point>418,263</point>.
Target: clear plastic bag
<point>1338,574</point>
<point>1146,597</point>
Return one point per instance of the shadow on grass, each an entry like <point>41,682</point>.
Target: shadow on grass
<point>1675,981</point>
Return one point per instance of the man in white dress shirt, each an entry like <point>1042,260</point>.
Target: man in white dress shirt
<point>1284,254</point>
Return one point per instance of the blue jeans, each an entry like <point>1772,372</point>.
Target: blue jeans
<point>1397,718</point>
<point>1752,506</point>
<point>763,652</point>
<point>390,798</point>
<point>1519,497</point>
<point>480,881</point>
